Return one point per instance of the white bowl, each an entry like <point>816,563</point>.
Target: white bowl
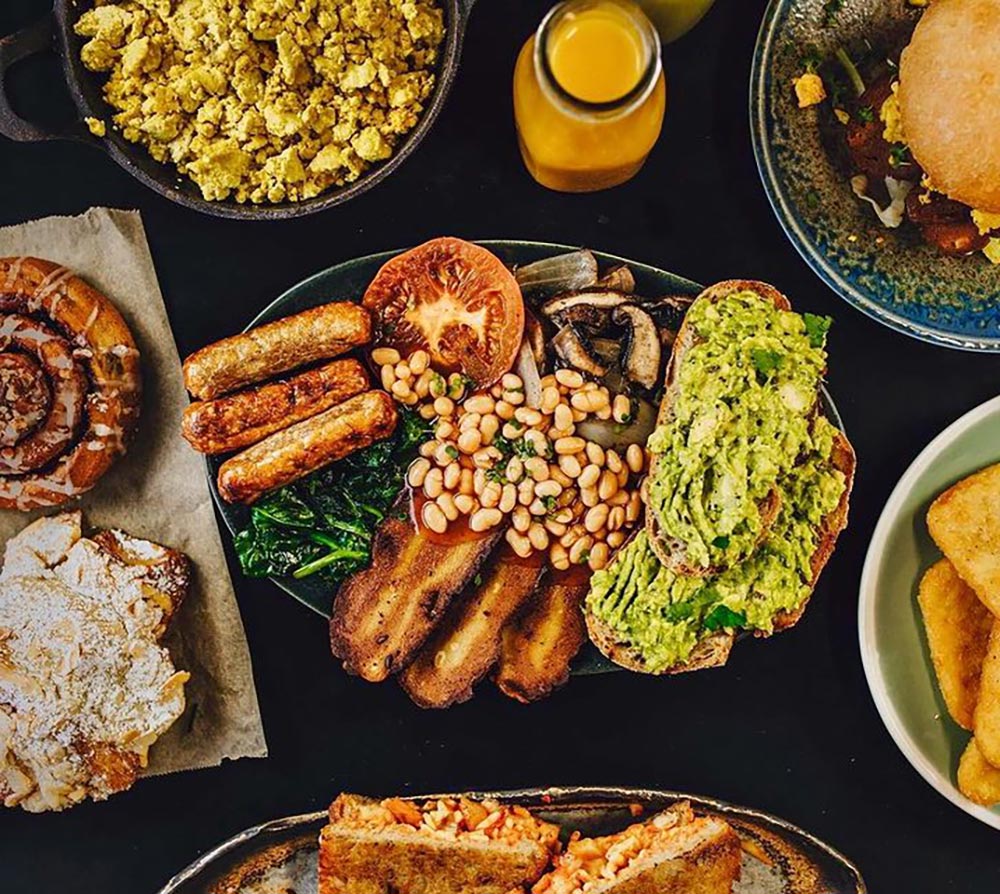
<point>893,644</point>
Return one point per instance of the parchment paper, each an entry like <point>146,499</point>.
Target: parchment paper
<point>159,491</point>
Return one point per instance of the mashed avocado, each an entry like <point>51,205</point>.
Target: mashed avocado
<point>663,615</point>
<point>739,422</point>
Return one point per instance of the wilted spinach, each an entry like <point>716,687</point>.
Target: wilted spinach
<point>324,523</point>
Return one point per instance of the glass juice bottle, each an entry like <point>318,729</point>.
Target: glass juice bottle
<point>589,95</point>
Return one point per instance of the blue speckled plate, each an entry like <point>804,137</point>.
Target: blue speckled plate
<point>279,857</point>
<point>899,281</point>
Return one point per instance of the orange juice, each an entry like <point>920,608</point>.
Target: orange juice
<point>589,95</point>
<point>596,55</point>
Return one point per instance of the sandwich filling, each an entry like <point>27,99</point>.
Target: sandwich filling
<point>592,864</point>
<point>450,819</point>
<point>739,421</point>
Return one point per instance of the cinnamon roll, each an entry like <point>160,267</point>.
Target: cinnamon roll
<point>70,384</point>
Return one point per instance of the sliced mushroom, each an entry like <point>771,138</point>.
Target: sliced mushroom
<point>534,335</point>
<point>641,360</point>
<point>668,311</point>
<point>575,270</point>
<point>599,298</point>
<point>571,347</point>
<point>607,350</point>
<point>619,279</point>
<point>585,316</point>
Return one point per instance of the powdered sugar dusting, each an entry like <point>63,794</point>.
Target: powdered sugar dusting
<point>85,687</point>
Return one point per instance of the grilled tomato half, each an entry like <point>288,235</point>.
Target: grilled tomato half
<point>455,300</point>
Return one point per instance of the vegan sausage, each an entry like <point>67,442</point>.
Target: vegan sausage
<point>239,420</point>
<point>274,348</point>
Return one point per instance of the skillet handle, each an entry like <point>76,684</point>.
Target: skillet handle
<point>34,39</point>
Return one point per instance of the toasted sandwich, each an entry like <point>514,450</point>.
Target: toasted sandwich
<point>675,852</point>
<point>443,846</point>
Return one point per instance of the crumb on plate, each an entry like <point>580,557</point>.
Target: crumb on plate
<point>96,126</point>
<point>809,89</point>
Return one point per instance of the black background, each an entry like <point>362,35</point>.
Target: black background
<point>788,726</point>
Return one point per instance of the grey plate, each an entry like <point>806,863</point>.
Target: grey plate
<point>279,857</point>
<point>902,282</point>
<point>348,281</point>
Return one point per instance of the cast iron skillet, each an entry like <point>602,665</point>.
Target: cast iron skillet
<point>55,31</point>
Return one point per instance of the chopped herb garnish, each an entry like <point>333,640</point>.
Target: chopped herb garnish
<point>816,328</point>
<point>550,503</point>
<point>899,155</point>
<point>524,449</point>
<point>830,10</point>
<point>811,59</point>
<point>764,361</point>
<point>723,617</point>
<point>452,451</point>
<point>866,114</point>
<point>721,542</point>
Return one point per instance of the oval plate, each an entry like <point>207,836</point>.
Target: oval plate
<point>893,644</point>
<point>280,856</point>
<point>348,281</point>
<point>901,282</point>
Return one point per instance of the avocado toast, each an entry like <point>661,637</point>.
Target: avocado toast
<point>747,491</point>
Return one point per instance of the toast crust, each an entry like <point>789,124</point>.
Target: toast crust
<point>668,552</point>
<point>711,868</point>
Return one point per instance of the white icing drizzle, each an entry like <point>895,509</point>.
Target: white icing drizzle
<point>47,286</point>
<point>13,273</point>
<point>94,314</point>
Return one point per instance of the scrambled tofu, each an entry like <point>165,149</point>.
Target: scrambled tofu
<point>986,221</point>
<point>265,100</point>
<point>891,117</point>
<point>809,89</point>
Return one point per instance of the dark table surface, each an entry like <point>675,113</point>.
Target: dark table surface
<point>788,726</point>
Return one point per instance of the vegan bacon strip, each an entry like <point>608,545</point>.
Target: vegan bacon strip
<point>467,644</point>
<point>539,645</point>
<point>384,614</point>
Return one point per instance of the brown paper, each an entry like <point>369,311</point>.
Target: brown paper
<point>159,490</point>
